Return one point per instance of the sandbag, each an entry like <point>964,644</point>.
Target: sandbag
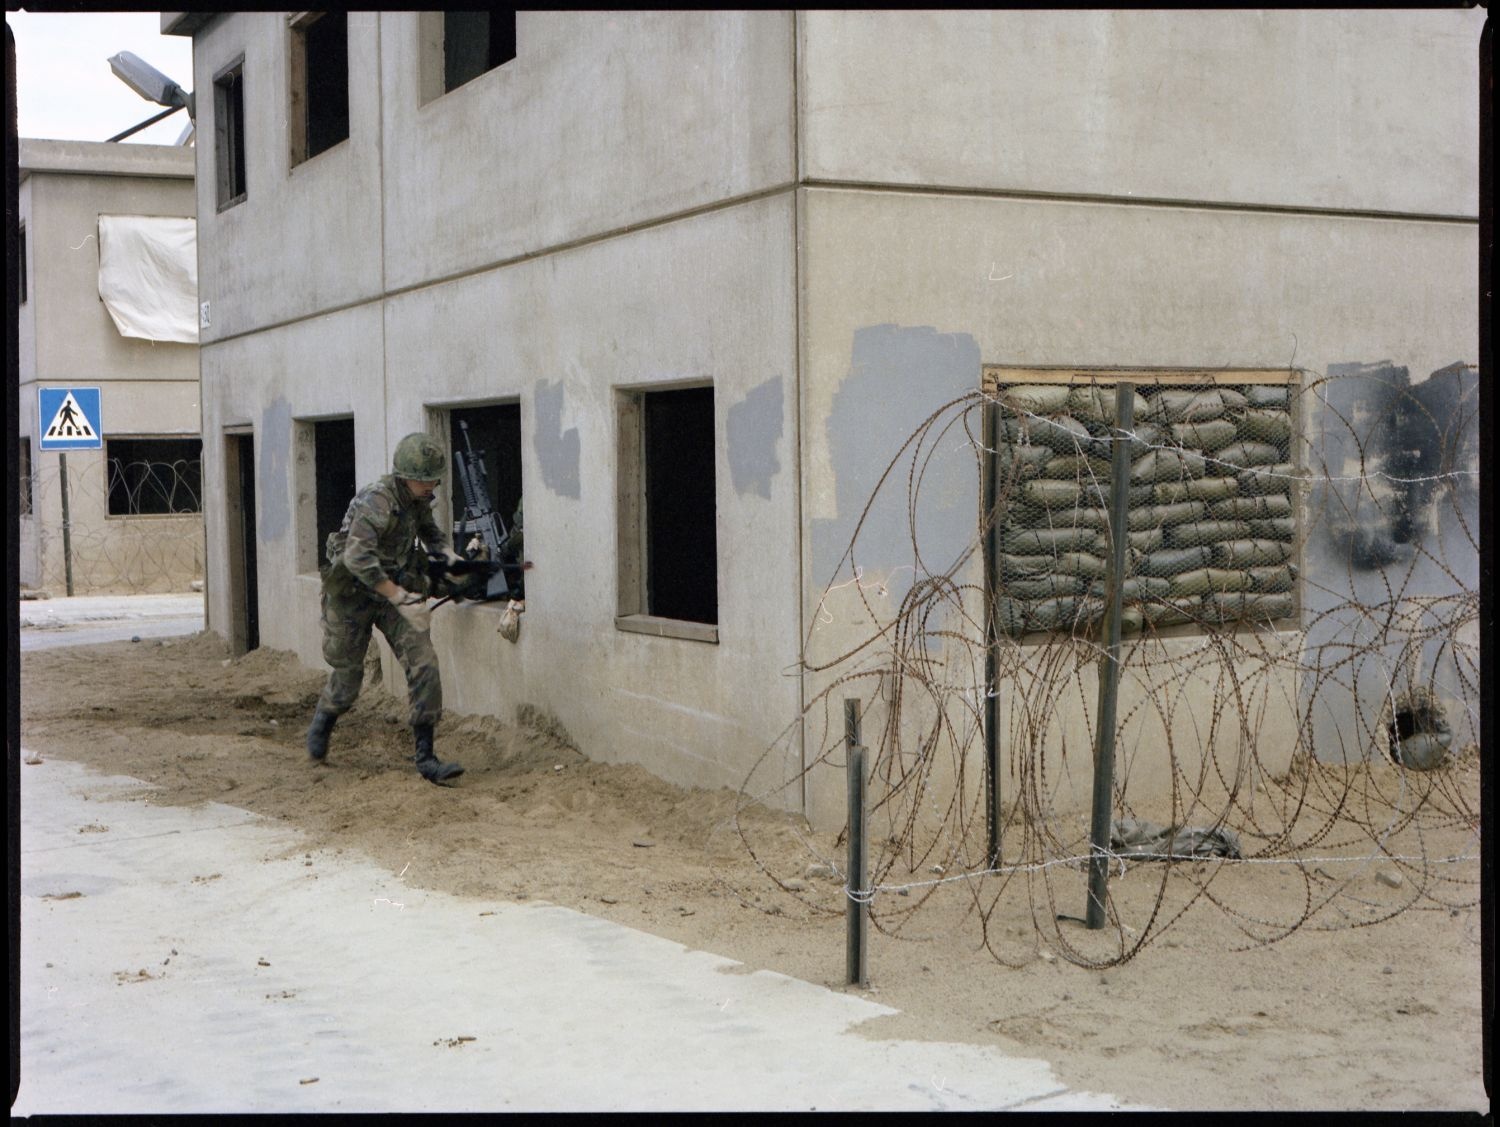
<point>1062,433</point>
<point>1273,528</point>
<point>1178,405</point>
<point>1047,494</point>
<point>1272,579</point>
<point>1268,395</point>
<point>1251,553</point>
<point>1147,541</point>
<point>1073,467</point>
<point>1251,508</point>
<point>1080,563</point>
<point>1208,434</point>
<point>1242,454</point>
<point>1137,587</point>
<point>1025,567</point>
<point>1038,399</point>
<point>1267,479</point>
<point>1096,495</point>
<point>1205,580</point>
<point>1037,541</point>
<point>1045,587</point>
<point>1244,607</point>
<point>1170,561</point>
<point>1201,488</point>
<point>1097,404</point>
<point>1205,532</point>
<point>1168,465</point>
<point>1172,612</point>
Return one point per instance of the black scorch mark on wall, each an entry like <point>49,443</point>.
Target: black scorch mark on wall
<point>1416,446</point>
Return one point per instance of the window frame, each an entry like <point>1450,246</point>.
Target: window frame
<point>994,376</point>
<point>300,106</point>
<point>632,526</point>
<point>109,460</point>
<point>230,150</point>
<point>432,52</point>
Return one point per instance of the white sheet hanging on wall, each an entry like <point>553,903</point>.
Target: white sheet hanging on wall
<point>148,275</point>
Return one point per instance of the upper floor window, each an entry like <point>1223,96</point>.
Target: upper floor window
<point>457,47</point>
<point>318,117</point>
<point>21,260</point>
<point>229,134</point>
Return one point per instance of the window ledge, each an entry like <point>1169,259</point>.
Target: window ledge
<point>667,627</point>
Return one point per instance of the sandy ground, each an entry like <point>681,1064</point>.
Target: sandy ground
<point>1373,1015</point>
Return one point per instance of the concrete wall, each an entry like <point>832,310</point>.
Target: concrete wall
<point>68,339</point>
<point>1357,110</point>
<point>602,122</point>
<point>907,294</point>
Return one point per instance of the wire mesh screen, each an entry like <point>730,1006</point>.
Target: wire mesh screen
<point>1298,705</point>
<point>1210,526</point>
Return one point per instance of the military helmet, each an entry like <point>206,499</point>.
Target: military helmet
<point>419,458</point>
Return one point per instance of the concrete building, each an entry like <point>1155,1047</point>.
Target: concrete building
<point>696,277</point>
<point>93,220</point>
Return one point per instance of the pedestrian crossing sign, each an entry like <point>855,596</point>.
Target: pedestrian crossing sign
<point>70,418</point>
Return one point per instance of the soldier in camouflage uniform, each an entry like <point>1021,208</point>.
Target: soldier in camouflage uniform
<point>377,578</point>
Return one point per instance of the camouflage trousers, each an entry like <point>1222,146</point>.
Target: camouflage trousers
<point>347,622</point>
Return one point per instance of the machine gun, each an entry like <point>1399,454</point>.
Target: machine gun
<point>503,580</point>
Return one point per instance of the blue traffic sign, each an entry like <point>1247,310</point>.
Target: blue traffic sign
<point>70,418</point>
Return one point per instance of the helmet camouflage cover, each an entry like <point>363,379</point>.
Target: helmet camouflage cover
<point>419,458</point>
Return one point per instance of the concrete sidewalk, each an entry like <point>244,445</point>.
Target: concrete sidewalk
<point>89,619</point>
<point>198,959</point>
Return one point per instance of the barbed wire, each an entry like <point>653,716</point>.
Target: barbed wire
<point>134,527</point>
<point>1299,664</point>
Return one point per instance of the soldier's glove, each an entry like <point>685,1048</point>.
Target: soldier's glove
<point>412,607</point>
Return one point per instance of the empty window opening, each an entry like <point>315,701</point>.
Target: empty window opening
<point>23,473</point>
<point>229,135</point>
<point>333,470</point>
<point>486,491</point>
<point>678,512</point>
<point>21,261</point>
<point>154,476</point>
<point>476,42</point>
<point>319,69</point>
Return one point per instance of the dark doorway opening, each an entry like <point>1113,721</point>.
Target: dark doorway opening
<point>244,598</point>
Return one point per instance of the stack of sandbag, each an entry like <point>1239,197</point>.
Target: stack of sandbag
<point>1210,521</point>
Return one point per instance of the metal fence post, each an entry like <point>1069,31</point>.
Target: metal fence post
<point>856,961</point>
<point>67,522</point>
<point>989,490</point>
<point>1109,665</point>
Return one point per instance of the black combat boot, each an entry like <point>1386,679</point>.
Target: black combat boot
<point>317,734</point>
<point>433,770</point>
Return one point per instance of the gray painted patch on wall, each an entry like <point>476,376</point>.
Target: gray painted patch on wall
<point>899,376</point>
<point>753,427</point>
<point>557,450</point>
<point>274,455</point>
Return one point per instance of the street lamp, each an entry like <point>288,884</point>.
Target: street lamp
<point>154,86</point>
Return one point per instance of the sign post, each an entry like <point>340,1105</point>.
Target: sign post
<point>70,419</point>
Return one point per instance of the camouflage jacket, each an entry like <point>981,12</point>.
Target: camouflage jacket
<point>378,539</point>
